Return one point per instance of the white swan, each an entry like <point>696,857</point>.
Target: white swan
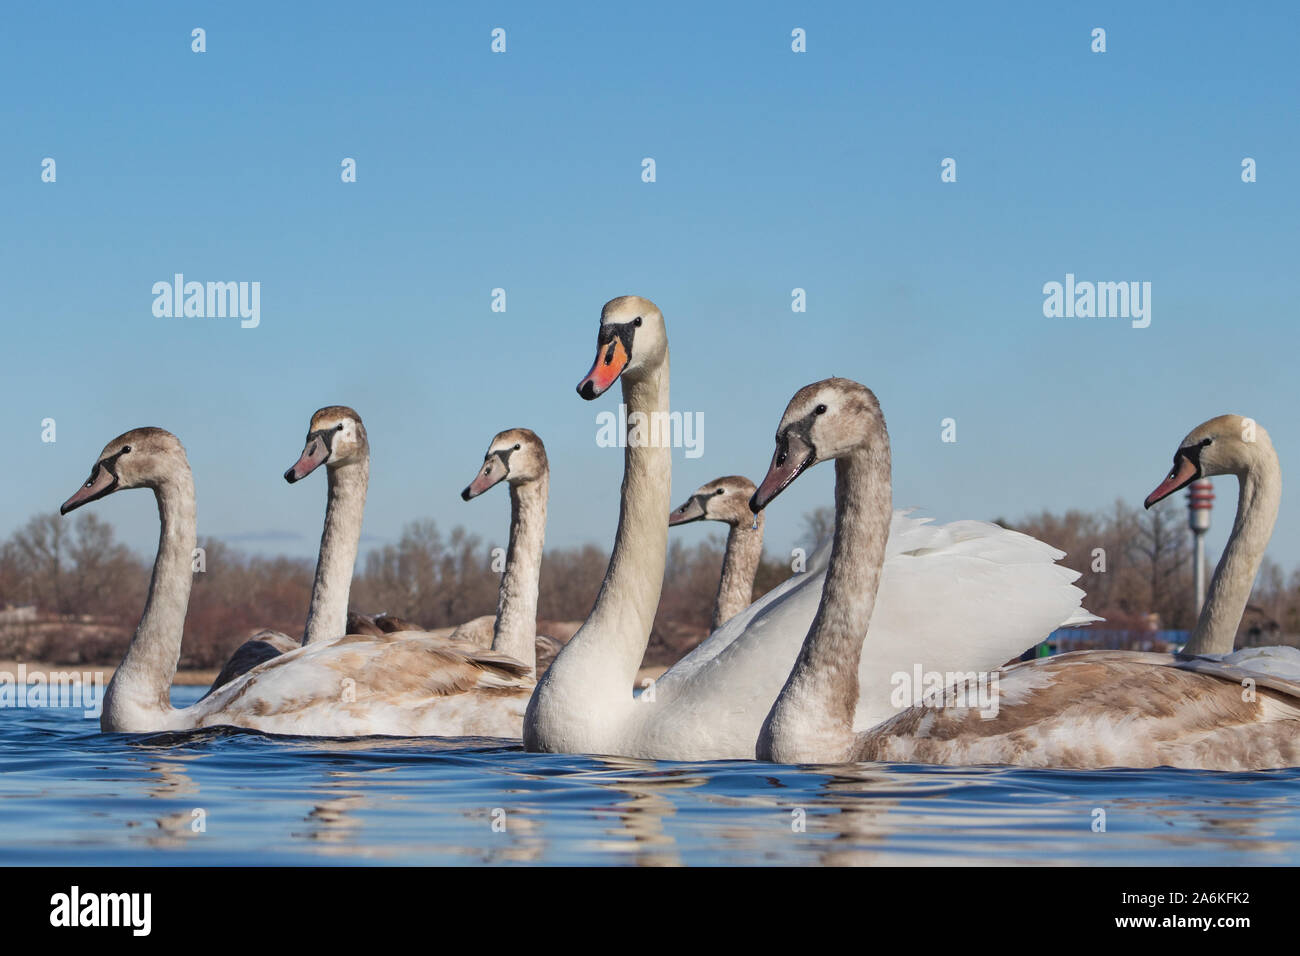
<point>412,685</point>
<point>518,457</point>
<point>965,596</point>
<point>1087,709</point>
<point>727,500</point>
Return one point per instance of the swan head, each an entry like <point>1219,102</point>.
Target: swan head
<point>726,499</point>
<point>140,458</point>
<point>828,419</point>
<point>1226,445</point>
<point>335,437</point>
<point>632,341</point>
<point>516,456</point>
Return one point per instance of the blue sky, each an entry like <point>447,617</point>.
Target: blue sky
<point>522,170</point>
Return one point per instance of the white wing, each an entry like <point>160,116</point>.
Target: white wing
<point>956,597</point>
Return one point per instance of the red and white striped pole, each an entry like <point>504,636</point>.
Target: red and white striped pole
<point>1200,499</point>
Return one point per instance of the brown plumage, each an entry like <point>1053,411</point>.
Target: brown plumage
<point>254,651</point>
<point>359,623</point>
<point>392,624</point>
<point>480,631</point>
<point>1092,709</point>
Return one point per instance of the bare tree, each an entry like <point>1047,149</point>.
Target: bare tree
<point>1164,554</point>
<point>39,548</point>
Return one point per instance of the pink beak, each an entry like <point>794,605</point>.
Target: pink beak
<point>787,465</point>
<point>481,483</point>
<point>313,456</point>
<point>99,483</point>
<point>1183,473</point>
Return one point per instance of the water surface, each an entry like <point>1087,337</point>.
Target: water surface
<point>71,795</point>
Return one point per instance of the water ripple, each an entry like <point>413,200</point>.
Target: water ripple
<point>70,795</point>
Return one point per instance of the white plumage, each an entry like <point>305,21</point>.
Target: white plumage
<point>956,597</point>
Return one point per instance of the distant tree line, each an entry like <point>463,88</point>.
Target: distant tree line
<point>90,588</point>
<point>76,572</point>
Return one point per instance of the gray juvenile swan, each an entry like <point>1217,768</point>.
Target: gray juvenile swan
<point>336,438</point>
<point>517,457</point>
<point>412,685</point>
<point>727,500</point>
<point>1088,709</point>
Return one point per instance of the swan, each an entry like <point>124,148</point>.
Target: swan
<point>407,685</point>
<point>1087,709</point>
<point>517,457</point>
<point>967,595</point>
<point>727,500</point>
<point>337,439</point>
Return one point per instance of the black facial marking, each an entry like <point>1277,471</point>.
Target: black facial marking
<point>109,464</point>
<point>326,436</point>
<point>802,430</point>
<point>1191,453</point>
<point>503,454</point>
<point>621,332</point>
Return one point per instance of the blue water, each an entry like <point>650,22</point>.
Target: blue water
<point>70,795</point>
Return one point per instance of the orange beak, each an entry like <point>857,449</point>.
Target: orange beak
<point>1183,474</point>
<point>611,359</point>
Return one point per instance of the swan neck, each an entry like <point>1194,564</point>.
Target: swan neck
<point>515,632</point>
<point>1258,497</point>
<point>602,658</point>
<point>327,616</point>
<point>141,685</point>
<point>739,566</point>
<point>812,719</point>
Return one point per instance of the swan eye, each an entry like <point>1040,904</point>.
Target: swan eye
<point>338,427</point>
<point>637,321</point>
<point>125,449</point>
<point>820,410</point>
<point>516,446</point>
<point>718,492</point>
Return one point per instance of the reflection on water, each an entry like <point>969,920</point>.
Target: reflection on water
<point>70,795</point>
